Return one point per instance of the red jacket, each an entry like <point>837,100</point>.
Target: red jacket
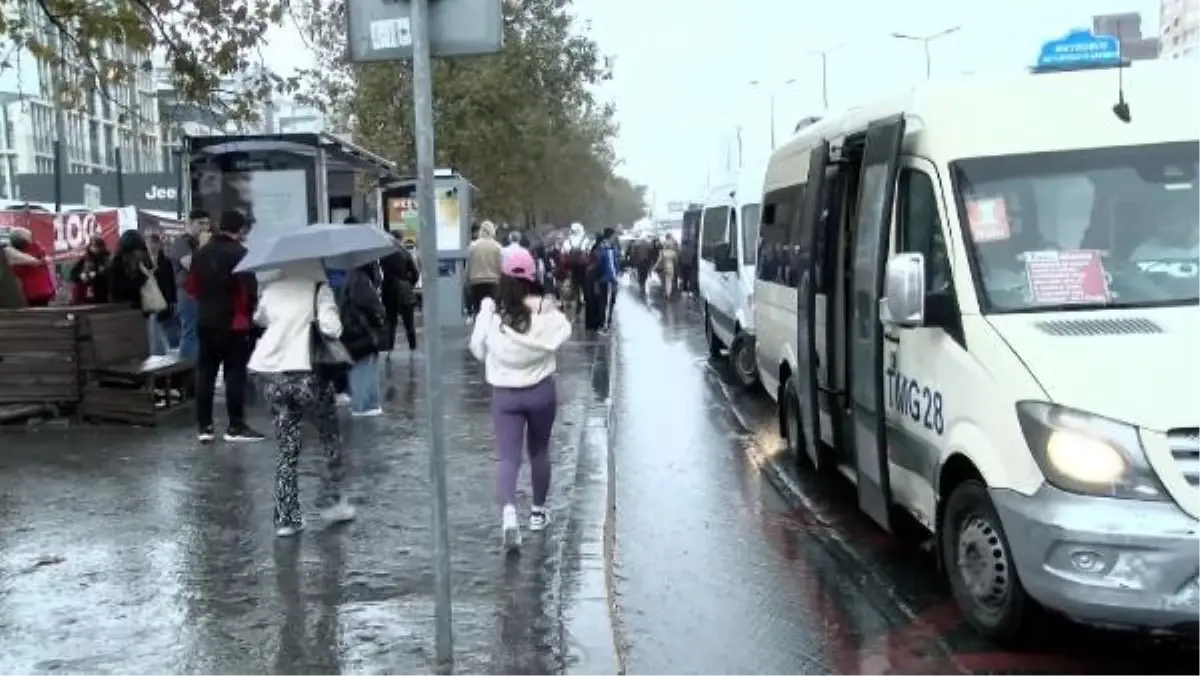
<point>36,282</point>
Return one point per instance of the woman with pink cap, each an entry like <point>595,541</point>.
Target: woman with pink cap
<point>517,338</point>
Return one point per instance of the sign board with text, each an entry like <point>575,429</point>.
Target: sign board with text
<point>381,30</point>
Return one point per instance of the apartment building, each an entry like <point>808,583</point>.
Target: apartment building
<point>32,93</point>
<point>1127,27</point>
<point>1179,31</point>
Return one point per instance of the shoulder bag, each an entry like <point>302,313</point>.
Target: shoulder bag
<point>329,357</point>
<point>151,296</point>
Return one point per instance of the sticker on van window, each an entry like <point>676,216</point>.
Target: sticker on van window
<point>988,219</point>
<point>1065,277</point>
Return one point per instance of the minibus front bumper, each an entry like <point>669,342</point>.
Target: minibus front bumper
<point>1104,561</point>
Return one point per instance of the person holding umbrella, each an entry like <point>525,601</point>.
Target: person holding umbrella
<point>303,324</point>
<point>293,306</point>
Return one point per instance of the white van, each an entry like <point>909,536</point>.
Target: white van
<point>728,246</point>
<point>995,329</point>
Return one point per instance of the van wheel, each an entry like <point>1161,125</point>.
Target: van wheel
<point>979,562</point>
<point>710,336</point>
<point>745,364</point>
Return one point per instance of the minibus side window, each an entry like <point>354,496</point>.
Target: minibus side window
<point>714,231</point>
<point>920,228</point>
<point>774,255</point>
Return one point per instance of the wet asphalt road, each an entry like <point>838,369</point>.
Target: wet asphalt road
<point>137,551</point>
<point>716,572</point>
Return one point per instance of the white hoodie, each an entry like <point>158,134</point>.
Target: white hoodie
<point>514,359</point>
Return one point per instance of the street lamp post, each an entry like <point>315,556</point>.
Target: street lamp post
<point>771,103</point>
<point>824,55</point>
<point>925,40</point>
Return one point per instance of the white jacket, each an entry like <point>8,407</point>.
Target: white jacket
<point>285,310</point>
<point>514,359</point>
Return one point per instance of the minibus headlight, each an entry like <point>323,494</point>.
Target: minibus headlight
<point>1088,454</point>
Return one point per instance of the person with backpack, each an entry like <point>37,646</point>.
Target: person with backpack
<point>364,331</point>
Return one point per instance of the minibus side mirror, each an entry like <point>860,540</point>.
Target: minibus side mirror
<point>904,291</point>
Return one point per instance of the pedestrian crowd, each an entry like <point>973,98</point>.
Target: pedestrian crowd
<point>311,336</point>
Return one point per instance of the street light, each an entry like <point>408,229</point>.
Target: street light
<point>824,54</point>
<point>925,40</point>
<point>771,95</point>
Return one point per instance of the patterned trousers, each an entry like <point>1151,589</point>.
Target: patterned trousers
<point>292,396</point>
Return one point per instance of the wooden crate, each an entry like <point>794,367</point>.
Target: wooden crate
<point>39,362</point>
<point>129,392</point>
<point>111,334</point>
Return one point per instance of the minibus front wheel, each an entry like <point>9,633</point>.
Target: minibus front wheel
<point>978,560</point>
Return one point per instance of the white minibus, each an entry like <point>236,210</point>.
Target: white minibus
<point>728,248</point>
<point>978,302</point>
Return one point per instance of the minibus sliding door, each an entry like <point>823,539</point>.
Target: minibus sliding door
<point>876,193</point>
<point>808,222</point>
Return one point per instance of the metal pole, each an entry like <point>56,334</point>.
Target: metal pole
<point>423,131</point>
<point>825,80</point>
<point>772,105</point>
<point>60,130</point>
<point>321,174</point>
<point>119,160</point>
<point>928,62</point>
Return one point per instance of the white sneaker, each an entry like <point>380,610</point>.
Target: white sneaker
<point>339,512</point>
<point>288,531</point>
<point>512,528</point>
<point>539,518</point>
<point>342,399</point>
<point>369,413</point>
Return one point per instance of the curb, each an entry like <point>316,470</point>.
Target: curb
<point>588,640</point>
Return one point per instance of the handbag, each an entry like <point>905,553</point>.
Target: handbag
<point>151,296</point>
<point>328,355</point>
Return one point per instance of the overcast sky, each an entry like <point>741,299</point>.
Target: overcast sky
<point>683,67</point>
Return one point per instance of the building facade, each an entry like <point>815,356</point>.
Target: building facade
<point>1127,27</point>
<point>1179,22</point>
<point>33,95</point>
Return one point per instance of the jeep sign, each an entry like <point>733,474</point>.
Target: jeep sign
<point>153,192</point>
<point>156,192</point>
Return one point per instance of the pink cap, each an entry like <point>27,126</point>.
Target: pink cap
<point>518,262</point>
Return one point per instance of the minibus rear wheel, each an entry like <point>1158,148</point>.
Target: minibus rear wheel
<point>979,564</point>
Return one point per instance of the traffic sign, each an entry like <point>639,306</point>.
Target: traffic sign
<point>382,30</point>
<point>1079,50</point>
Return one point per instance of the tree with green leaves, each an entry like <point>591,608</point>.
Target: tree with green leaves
<point>523,124</point>
<point>104,46</point>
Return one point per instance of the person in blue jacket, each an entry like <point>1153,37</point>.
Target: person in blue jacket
<point>608,271</point>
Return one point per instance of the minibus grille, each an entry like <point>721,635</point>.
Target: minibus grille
<point>1185,448</point>
<point>1124,326</point>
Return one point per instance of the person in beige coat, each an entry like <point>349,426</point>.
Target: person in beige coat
<point>483,267</point>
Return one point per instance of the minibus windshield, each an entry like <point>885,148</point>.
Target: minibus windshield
<point>1082,229</point>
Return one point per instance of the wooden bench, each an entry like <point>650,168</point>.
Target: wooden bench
<point>139,392</point>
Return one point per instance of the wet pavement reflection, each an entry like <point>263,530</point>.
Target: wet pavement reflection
<point>137,551</point>
<point>716,572</point>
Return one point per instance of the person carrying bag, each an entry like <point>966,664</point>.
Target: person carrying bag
<point>296,357</point>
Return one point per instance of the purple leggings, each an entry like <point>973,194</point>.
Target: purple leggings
<point>523,415</point>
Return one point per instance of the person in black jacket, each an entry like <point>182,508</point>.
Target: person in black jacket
<point>364,331</point>
<point>400,276</point>
<point>225,304</point>
<point>131,267</point>
<point>89,274</point>
<point>164,275</point>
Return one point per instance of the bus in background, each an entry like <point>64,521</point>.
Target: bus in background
<point>728,249</point>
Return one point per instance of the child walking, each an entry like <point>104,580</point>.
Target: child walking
<point>517,338</point>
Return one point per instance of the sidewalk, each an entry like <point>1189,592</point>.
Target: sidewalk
<point>137,550</point>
